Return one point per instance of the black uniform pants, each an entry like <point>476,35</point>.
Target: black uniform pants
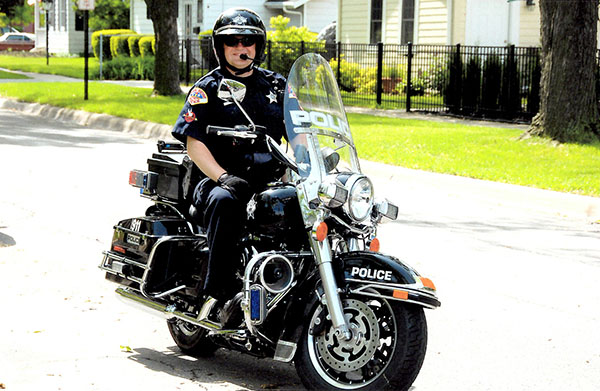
<point>223,217</point>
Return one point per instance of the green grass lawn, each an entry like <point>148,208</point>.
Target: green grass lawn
<point>65,66</point>
<point>11,75</point>
<point>491,153</point>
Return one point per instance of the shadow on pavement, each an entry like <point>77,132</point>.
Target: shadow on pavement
<point>244,371</point>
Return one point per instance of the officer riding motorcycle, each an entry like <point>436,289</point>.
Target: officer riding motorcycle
<point>286,267</point>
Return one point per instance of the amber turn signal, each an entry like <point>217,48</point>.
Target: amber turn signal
<point>321,232</point>
<point>374,246</point>
<point>427,283</point>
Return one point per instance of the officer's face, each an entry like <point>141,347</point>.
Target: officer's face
<point>236,45</point>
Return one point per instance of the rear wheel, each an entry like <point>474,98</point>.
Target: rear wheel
<point>191,339</point>
<point>386,350</point>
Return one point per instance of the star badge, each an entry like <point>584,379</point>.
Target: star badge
<point>272,97</point>
<point>239,20</point>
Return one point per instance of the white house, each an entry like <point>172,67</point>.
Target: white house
<point>199,15</point>
<point>65,32</point>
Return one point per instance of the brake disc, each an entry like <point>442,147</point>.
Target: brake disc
<point>347,356</point>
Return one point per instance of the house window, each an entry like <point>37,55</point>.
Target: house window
<point>62,24</point>
<point>200,12</point>
<point>408,21</point>
<point>376,20</point>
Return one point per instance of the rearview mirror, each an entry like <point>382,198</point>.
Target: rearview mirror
<point>231,90</point>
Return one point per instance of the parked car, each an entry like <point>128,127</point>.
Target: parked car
<point>17,41</point>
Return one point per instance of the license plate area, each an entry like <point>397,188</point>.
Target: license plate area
<point>133,239</point>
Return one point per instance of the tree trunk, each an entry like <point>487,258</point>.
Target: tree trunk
<point>568,106</point>
<point>166,67</point>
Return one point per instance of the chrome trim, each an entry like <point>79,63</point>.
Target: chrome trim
<point>135,298</point>
<point>412,288</point>
<point>177,288</point>
<point>323,258</point>
<point>284,346</point>
<point>366,231</point>
<point>151,258</point>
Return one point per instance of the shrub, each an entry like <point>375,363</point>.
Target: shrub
<point>147,46</point>
<point>349,72</point>
<point>472,84</point>
<point>106,55</point>
<point>119,46</point>
<point>492,80</point>
<point>133,43</point>
<point>285,43</point>
<point>126,68</point>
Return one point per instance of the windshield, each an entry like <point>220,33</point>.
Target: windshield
<point>315,119</point>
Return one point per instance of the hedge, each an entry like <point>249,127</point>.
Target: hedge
<point>147,46</point>
<point>134,45</point>
<point>119,46</point>
<point>128,68</point>
<point>106,52</point>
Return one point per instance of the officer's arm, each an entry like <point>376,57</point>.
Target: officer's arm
<point>204,159</point>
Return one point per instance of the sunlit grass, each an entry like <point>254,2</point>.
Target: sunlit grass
<point>492,153</point>
<point>496,154</point>
<point>65,66</point>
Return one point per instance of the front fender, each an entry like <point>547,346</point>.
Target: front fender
<point>378,275</point>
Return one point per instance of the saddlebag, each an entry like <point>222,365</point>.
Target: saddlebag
<point>155,254</point>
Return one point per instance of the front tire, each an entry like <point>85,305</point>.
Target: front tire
<point>191,339</point>
<point>387,348</point>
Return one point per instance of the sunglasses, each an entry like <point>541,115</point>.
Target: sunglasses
<point>232,41</point>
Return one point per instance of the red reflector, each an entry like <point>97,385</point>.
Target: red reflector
<point>132,176</point>
<point>119,249</point>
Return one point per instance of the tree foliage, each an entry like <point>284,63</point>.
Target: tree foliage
<point>109,14</point>
<point>15,13</point>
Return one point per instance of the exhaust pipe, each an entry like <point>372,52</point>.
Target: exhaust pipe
<point>139,301</point>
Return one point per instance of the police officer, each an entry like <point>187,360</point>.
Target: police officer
<point>233,169</point>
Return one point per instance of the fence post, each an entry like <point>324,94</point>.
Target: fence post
<point>409,76</point>
<point>99,54</point>
<point>301,48</point>
<point>269,54</point>
<point>510,108</point>
<point>188,55</point>
<point>339,60</point>
<point>379,71</point>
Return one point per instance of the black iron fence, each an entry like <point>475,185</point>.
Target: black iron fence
<point>492,82</point>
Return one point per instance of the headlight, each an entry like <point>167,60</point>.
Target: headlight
<point>360,197</point>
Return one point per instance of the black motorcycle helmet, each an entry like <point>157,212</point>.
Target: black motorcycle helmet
<point>239,21</point>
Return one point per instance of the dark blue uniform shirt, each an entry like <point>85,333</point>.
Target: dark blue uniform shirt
<point>263,102</point>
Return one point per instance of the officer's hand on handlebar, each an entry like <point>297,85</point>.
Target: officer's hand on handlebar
<point>238,187</point>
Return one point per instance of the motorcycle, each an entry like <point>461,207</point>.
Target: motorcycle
<point>313,287</point>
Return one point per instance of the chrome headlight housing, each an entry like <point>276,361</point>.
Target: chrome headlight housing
<point>360,197</point>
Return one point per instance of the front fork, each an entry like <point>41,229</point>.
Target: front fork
<point>323,254</point>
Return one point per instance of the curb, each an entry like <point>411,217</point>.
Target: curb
<point>104,121</point>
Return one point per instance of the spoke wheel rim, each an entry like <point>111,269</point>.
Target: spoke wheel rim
<point>362,360</point>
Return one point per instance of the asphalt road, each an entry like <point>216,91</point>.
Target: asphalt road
<point>517,271</point>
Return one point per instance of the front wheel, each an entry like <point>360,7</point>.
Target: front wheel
<point>386,350</point>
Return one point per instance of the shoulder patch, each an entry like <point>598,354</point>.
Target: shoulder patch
<point>197,96</point>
